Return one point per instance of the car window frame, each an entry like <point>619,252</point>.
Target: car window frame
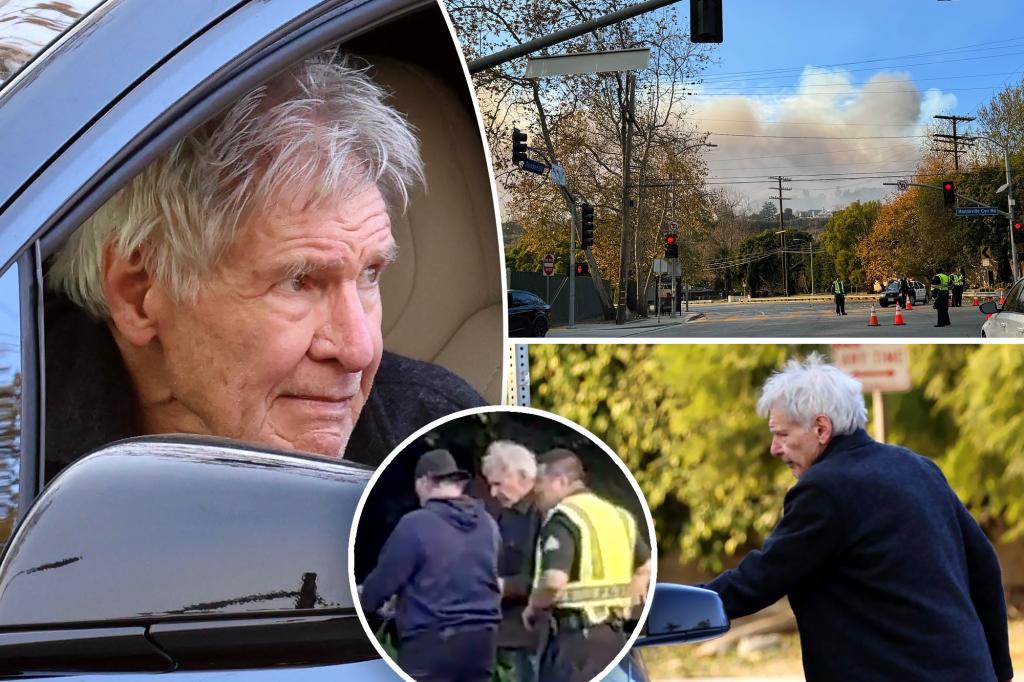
<point>61,205</point>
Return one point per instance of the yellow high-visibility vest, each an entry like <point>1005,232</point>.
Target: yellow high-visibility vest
<point>607,536</point>
<point>943,284</point>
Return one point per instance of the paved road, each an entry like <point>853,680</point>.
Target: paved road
<point>788,320</point>
<point>784,678</point>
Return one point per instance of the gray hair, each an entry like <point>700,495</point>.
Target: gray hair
<point>803,390</point>
<point>506,455</point>
<point>322,126</point>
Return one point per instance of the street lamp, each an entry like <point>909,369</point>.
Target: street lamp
<point>1008,187</point>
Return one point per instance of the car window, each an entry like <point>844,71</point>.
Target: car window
<point>1015,299</point>
<point>518,298</point>
<point>10,399</point>
<point>27,26</point>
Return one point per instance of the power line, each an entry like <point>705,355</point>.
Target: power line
<point>822,137</point>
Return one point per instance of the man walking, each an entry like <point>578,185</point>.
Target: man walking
<point>442,563</point>
<point>592,567</point>
<point>940,285</point>
<point>510,470</point>
<point>889,576</point>
<point>840,293</point>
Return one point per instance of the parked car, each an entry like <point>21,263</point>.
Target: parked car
<point>528,314</point>
<point>1007,321</point>
<point>891,294</point>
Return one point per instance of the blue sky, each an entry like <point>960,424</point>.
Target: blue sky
<point>855,69</point>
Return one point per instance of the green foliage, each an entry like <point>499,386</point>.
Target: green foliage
<point>842,232</point>
<point>683,418</point>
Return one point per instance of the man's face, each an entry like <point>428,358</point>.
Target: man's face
<point>508,487</point>
<point>796,446</point>
<point>549,490</point>
<point>284,341</point>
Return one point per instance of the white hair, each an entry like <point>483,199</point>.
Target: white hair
<point>509,456</point>
<point>803,390</point>
<point>320,130</point>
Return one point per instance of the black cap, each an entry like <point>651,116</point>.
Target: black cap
<point>439,464</point>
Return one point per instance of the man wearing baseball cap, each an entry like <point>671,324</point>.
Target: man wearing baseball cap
<point>442,563</point>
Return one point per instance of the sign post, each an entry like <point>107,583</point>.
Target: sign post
<point>882,368</point>
<point>548,264</point>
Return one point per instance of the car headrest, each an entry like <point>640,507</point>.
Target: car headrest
<point>442,298</point>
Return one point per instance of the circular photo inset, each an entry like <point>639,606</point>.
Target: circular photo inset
<point>503,543</point>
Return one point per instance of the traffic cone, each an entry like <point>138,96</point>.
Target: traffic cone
<point>910,302</point>
<point>1002,299</point>
<point>975,302</point>
<point>898,320</point>
<point>873,321</point>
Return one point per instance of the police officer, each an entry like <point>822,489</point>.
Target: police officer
<point>840,292</point>
<point>958,288</point>
<point>592,567</point>
<point>442,563</point>
<point>940,285</point>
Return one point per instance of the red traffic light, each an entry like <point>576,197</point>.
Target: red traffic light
<point>948,186</point>
<point>670,239</point>
<point>1016,226</point>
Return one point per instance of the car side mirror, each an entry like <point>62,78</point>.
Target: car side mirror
<point>178,553</point>
<point>680,613</point>
<point>989,307</point>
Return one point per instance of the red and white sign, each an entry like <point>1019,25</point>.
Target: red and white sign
<point>549,264</point>
<point>879,367</point>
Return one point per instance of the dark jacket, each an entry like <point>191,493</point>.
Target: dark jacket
<point>442,562</point>
<point>519,526</point>
<point>888,574</point>
<point>91,400</point>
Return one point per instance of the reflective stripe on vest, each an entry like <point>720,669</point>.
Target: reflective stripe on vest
<point>607,536</point>
<point>958,280</point>
<point>837,286</point>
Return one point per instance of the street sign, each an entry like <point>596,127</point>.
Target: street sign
<point>660,266</point>
<point>588,62</point>
<point>902,185</point>
<point>534,166</point>
<point>673,226</point>
<point>883,367</point>
<point>549,264</point>
<point>986,252</point>
<point>976,211</point>
<point>557,175</point>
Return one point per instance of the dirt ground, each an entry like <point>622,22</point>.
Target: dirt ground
<point>680,663</point>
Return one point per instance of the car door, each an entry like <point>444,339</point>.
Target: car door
<point>518,314</point>
<point>1009,323</point>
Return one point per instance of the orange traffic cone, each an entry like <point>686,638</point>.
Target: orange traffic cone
<point>873,321</point>
<point>898,320</point>
<point>1002,299</point>
<point>910,302</point>
<point>975,302</point>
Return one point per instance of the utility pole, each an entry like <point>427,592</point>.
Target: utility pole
<point>958,140</point>
<point>782,227</point>
<point>627,153</point>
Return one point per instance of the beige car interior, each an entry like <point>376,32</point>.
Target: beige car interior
<point>443,297</point>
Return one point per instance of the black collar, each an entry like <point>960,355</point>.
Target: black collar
<point>849,441</point>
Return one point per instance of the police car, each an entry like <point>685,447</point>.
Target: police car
<point>891,294</point>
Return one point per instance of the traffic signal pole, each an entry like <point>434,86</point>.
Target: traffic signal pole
<point>572,269</point>
<point>1014,266</point>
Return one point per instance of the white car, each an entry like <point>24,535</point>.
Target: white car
<point>1006,321</point>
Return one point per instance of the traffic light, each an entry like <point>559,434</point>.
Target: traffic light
<point>518,145</point>
<point>671,246</point>
<point>587,225</point>
<point>948,193</point>
<point>705,21</point>
<point>582,269</point>
<point>1016,225</point>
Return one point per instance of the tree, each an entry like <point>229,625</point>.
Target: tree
<point>842,233</point>
<point>768,211</point>
<point>1003,118</point>
<point>577,121</point>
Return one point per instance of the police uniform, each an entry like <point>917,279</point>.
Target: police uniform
<point>940,285</point>
<point>840,292</point>
<point>596,543</point>
<point>958,290</point>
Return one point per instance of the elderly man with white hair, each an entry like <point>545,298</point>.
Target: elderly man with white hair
<point>510,470</point>
<point>232,287</point>
<point>889,576</point>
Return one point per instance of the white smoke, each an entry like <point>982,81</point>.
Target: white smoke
<point>872,124</point>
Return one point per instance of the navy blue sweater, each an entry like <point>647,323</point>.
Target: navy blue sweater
<point>888,574</point>
<point>442,562</point>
